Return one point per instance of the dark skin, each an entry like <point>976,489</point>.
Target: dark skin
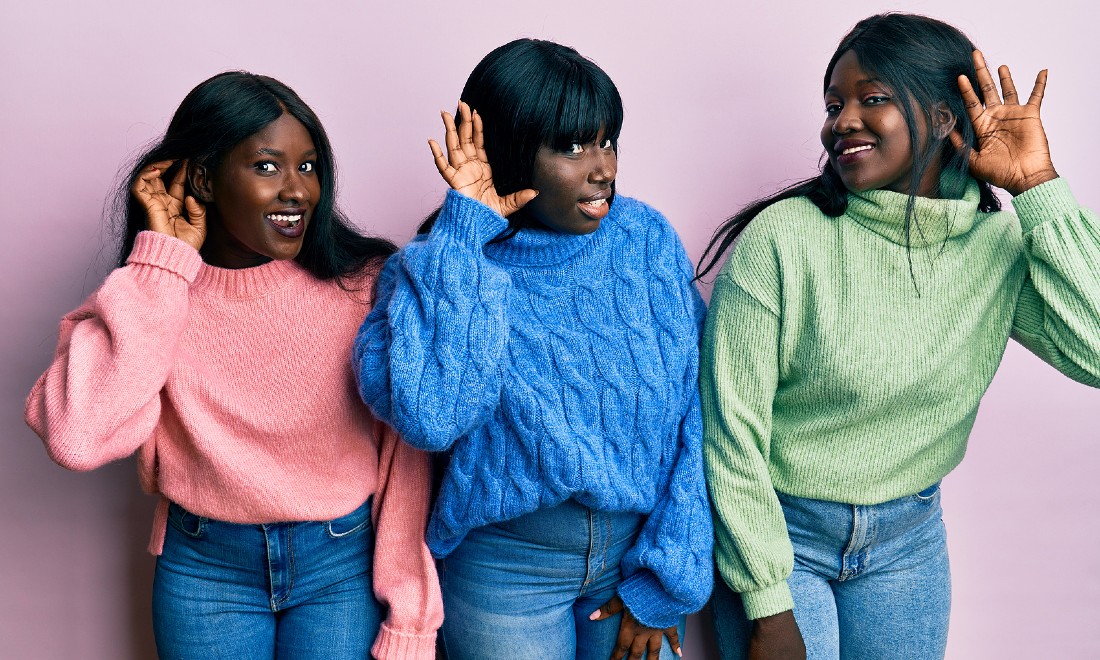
<point>466,169</point>
<point>1012,154</point>
<point>167,210</point>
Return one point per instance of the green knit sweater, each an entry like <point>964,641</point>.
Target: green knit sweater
<point>825,374</point>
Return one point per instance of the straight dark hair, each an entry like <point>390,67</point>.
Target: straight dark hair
<point>215,116</point>
<point>532,93</point>
<point>920,60</point>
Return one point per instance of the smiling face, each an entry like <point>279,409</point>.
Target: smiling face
<point>261,196</point>
<point>574,185</point>
<point>865,134</point>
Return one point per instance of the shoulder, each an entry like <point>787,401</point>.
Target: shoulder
<point>641,225</point>
<point>794,216</point>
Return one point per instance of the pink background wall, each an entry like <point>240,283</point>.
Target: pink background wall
<point>722,104</point>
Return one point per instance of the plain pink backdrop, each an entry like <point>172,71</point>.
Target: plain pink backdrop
<point>722,104</point>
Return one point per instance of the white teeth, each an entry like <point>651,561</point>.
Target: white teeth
<point>852,150</point>
<point>596,202</point>
<point>291,220</point>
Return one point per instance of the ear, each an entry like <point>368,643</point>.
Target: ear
<point>199,178</point>
<point>943,121</point>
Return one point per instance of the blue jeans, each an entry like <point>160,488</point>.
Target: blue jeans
<point>524,588</point>
<point>281,590</point>
<point>868,581</point>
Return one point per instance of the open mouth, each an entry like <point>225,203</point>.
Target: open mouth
<point>852,150</point>
<point>284,221</point>
<point>291,225</point>
<point>596,208</point>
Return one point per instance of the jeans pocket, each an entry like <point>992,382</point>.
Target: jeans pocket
<point>928,495</point>
<point>185,521</point>
<point>354,522</point>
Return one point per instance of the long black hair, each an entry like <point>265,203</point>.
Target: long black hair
<point>920,59</point>
<point>217,115</point>
<point>532,93</point>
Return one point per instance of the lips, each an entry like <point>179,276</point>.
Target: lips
<point>848,152</point>
<point>288,222</point>
<point>595,206</point>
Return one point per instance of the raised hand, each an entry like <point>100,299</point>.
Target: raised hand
<point>466,166</point>
<point>169,211</point>
<point>1012,151</point>
<point>636,640</point>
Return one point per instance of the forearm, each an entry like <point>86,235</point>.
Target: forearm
<point>405,579</point>
<point>434,347</point>
<point>99,398</point>
<point>739,378</point>
<point>1058,312</point>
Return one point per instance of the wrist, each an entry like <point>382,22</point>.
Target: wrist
<point>1034,179</point>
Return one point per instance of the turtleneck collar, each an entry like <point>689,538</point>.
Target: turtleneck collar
<point>542,247</point>
<point>932,221</point>
<point>246,283</point>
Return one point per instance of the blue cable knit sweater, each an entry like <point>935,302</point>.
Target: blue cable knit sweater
<point>552,366</point>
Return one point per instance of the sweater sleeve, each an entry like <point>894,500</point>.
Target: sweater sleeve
<point>428,357</point>
<point>99,399</point>
<point>738,379</point>
<point>669,571</point>
<point>405,579</point>
<point>1058,310</point>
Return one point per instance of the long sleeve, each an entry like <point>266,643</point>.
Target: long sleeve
<point>669,571</point>
<point>1058,311</point>
<point>738,381</point>
<point>428,356</point>
<point>405,579</point>
<point>99,399</point>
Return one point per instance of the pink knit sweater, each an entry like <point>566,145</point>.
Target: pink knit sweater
<point>235,388</point>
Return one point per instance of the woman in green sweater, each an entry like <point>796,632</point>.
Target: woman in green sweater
<point>855,327</point>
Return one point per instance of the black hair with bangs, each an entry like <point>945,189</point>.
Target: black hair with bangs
<point>532,93</point>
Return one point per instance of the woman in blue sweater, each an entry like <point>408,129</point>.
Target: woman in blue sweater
<point>543,332</point>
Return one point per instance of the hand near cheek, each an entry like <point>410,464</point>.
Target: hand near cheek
<point>170,211</point>
<point>466,166</point>
<point>635,639</point>
<point>1012,151</point>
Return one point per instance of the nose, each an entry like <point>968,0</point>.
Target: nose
<point>604,167</point>
<point>848,121</point>
<point>294,188</point>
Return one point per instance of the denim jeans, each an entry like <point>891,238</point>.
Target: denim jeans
<point>868,581</point>
<point>524,588</point>
<point>281,590</point>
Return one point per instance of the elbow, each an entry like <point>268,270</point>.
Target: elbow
<point>77,459</point>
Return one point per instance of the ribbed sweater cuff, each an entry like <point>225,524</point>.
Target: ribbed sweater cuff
<point>469,221</point>
<point>648,601</point>
<point>768,601</point>
<point>1047,201</point>
<point>393,645</point>
<point>166,252</point>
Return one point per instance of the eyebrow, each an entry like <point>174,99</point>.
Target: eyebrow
<point>832,88</point>
<point>268,151</point>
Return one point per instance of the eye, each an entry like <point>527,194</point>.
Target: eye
<point>607,144</point>
<point>266,167</point>
<point>308,166</point>
<point>575,148</point>
<point>832,109</point>
<point>876,99</point>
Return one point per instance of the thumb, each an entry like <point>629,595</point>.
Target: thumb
<point>517,200</point>
<point>196,212</point>
<point>611,607</point>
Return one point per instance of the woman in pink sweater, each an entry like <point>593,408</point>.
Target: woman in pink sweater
<point>291,521</point>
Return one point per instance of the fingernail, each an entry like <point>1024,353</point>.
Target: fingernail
<point>679,652</point>
<point>595,615</point>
